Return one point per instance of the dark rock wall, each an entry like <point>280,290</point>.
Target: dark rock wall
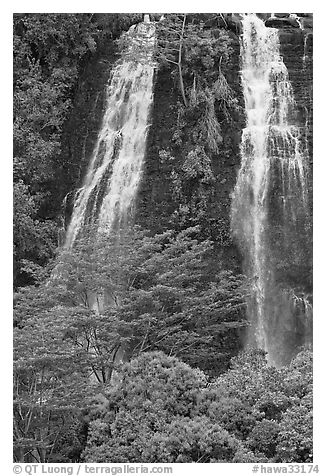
<point>155,205</point>
<point>296,49</point>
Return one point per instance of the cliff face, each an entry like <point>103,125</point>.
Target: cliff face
<point>157,201</point>
<point>296,49</point>
<point>83,125</point>
<point>89,104</point>
<point>155,204</point>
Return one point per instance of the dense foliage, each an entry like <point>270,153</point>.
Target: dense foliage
<point>47,54</point>
<point>126,348</point>
<point>156,287</point>
<point>50,51</point>
<point>160,410</point>
<point>151,294</point>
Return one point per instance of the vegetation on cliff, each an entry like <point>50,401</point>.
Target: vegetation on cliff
<point>50,53</point>
<point>126,348</point>
<point>192,143</point>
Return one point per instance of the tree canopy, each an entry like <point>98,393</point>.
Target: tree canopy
<point>159,409</point>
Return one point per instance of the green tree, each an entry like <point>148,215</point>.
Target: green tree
<point>267,409</point>
<point>197,57</point>
<point>107,300</point>
<point>161,286</point>
<point>171,44</point>
<point>148,417</point>
<point>34,239</point>
<point>184,41</point>
<point>48,50</point>
<point>62,357</point>
<point>50,385</point>
<point>295,438</point>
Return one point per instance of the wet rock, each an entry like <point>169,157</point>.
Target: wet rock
<point>234,22</point>
<point>305,15</point>
<point>306,22</point>
<point>282,22</point>
<point>297,52</point>
<point>263,16</point>
<point>282,15</point>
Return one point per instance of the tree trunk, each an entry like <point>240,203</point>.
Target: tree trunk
<point>179,63</point>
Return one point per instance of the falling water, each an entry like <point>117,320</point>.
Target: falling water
<point>109,189</point>
<point>270,199</point>
<point>306,48</point>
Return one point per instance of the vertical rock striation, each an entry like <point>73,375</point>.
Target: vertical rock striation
<point>270,209</point>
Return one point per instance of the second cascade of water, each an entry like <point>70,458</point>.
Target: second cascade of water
<point>107,195</point>
<point>270,200</point>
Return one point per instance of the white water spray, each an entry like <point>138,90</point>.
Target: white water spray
<point>272,180</point>
<point>110,186</point>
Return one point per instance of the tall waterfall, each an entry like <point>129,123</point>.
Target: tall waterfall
<point>108,193</point>
<point>270,213</point>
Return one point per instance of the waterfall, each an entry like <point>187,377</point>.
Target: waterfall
<point>306,45</point>
<point>114,172</point>
<point>270,209</point>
